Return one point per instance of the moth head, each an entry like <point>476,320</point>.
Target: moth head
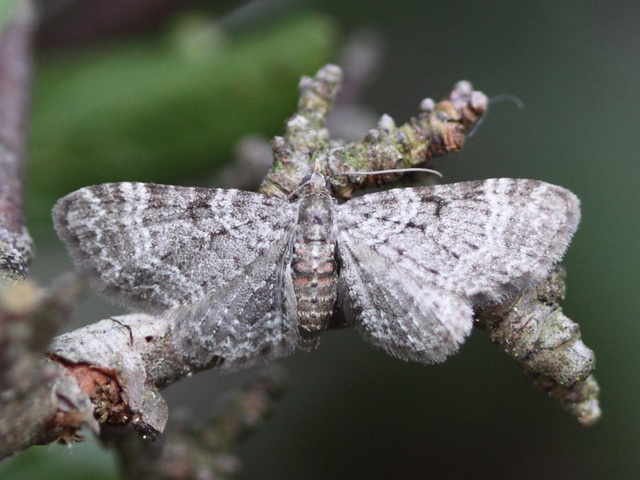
<point>312,184</point>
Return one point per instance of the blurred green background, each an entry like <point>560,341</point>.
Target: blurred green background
<point>169,106</point>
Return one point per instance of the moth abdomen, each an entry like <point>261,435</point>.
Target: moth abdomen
<point>313,267</point>
<point>314,283</point>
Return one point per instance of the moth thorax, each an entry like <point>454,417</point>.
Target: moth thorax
<point>314,269</point>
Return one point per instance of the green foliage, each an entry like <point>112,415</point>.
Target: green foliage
<point>6,10</point>
<point>80,461</point>
<point>160,110</point>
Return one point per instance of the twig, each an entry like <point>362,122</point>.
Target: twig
<point>533,331</point>
<point>438,130</point>
<point>16,39</point>
<point>39,401</point>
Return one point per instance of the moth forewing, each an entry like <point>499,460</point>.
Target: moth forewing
<point>251,276</point>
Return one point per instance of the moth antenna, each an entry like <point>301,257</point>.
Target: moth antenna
<point>383,172</point>
<point>505,97</point>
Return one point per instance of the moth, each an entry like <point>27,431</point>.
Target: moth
<point>253,277</point>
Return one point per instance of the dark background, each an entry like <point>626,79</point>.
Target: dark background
<point>351,411</point>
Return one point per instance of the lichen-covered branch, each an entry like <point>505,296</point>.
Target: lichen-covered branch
<point>112,371</point>
<point>16,38</point>
<point>533,331</point>
<point>438,129</point>
<point>39,402</point>
<point>106,374</point>
<point>194,451</point>
<point>123,361</point>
